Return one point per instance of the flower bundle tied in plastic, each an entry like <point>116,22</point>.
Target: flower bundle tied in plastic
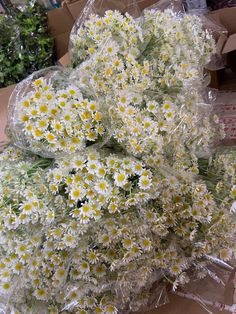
<point>135,195</point>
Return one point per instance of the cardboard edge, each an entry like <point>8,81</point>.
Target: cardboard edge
<point>65,60</point>
<point>221,43</point>
<point>60,17</point>
<point>230,44</point>
<point>5,94</point>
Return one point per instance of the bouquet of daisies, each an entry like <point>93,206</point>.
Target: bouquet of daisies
<point>114,185</point>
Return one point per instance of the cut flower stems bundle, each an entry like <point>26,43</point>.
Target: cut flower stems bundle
<point>115,185</point>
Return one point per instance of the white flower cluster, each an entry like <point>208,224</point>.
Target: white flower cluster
<point>160,52</point>
<point>93,230</point>
<point>94,184</point>
<point>123,29</point>
<point>52,252</point>
<point>61,121</point>
<point>142,86</point>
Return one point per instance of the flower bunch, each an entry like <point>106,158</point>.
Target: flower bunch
<point>165,130</point>
<point>124,30</point>
<point>152,88</point>
<point>92,231</point>
<point>164,55</point>
<point>139,90</point>
<point>50,253</point>
<point>59,121</point>
<point>178,48</point>
<point>98,184</point>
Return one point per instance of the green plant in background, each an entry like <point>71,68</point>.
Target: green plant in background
<point>12,66</point>
<point>25,44</point>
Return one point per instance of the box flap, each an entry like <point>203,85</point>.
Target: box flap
<point>60,21</point>
<point>5,94</point>
<point>230,44</point>
<point>61,43</point>
<point>215,15</point>
<point>146,3</point>
<point>227,17</point>
<point>75,8</point>
<point>221,43</point>
<point>65,60</point>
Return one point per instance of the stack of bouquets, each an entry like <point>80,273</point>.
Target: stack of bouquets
<point>115,184</point>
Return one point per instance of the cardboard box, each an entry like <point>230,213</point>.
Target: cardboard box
<point>65,60</point>
<point>61,43</point>
<point>226,46</point>
<point>60,23</point>
<point>5,94</point>
<point>75,8</point>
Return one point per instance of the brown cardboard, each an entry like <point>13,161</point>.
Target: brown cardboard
<point>221,43</point>
<point>226,17</point>
<point>230,44</point>
<point>146,3</point>
<point>179,305</point>
<point>215,78</point>
<point>61,43</point>
<point>60,21</point>
<point>75,8</point>
<point>206,288</point>
<point>226,45</point>
<point>65,60</point>
<point>5,94</point>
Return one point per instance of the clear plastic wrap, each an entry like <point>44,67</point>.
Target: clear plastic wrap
<point>101,80</point>
<point>50,116</point>
<point>198,7</point>
<point>96,274</point>
<point>225,108</point>
<point>210,292</point>
<point>14,128</point>
<point>219,33</point>
<point>110,228</point>
<point>195,4</point>
<point>98,8</point>
<point>174,5</point>
<point>216,29</point>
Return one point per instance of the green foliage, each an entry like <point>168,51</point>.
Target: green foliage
<point>25,44</point>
